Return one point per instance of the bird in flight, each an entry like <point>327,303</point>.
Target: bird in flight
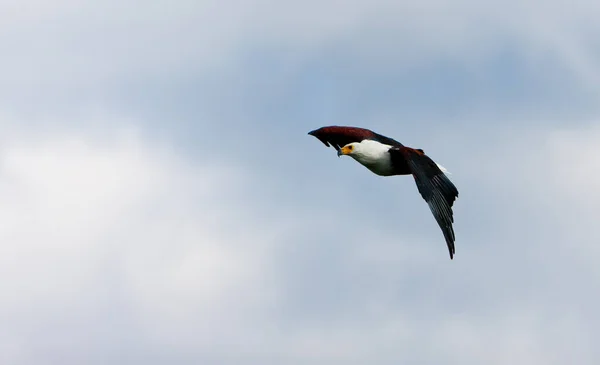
<point>385,156</point>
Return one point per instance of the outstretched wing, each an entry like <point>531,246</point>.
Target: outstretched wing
<point>339,136</point>
<point>435,187</point>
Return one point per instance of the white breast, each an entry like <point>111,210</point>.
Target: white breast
<point>374,156</point>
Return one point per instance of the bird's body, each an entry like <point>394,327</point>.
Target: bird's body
<point>387,157</point>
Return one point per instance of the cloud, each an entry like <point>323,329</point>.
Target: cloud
<point>120,234</point>
<point>88,45</point>
<point>123,247</point>
<point>162,201</point>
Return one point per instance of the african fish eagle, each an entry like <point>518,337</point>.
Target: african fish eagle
<point>385,156</point>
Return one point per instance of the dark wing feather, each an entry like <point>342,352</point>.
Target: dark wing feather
<point>435,187</point>
<point>339,136</point>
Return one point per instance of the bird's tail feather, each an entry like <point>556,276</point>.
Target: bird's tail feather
<point>443,169</point>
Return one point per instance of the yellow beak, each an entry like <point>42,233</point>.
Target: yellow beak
<point>344,151</point>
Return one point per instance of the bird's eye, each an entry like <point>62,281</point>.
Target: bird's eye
<point>350,147</point>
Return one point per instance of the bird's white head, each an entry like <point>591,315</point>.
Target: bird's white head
<point>349,149</point>
<point>365,149</point>
<point>372,154</point>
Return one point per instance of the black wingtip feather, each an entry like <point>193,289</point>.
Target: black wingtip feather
<point>435,188</point>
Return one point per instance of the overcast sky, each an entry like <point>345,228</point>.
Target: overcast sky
<point>162,203</point>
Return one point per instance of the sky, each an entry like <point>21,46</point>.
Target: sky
<point>162,202</point>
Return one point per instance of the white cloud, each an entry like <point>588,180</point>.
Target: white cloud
<point>91,226</point>
<point>88,45</point>
<point>115,243</point>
